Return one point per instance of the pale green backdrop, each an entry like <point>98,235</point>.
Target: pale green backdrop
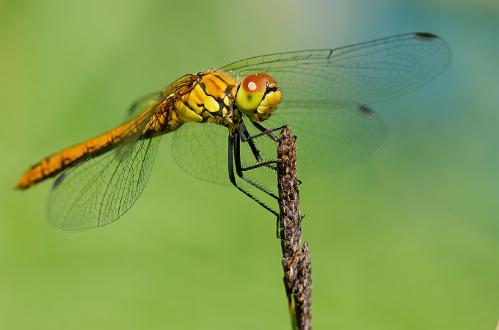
<point>407,239</point>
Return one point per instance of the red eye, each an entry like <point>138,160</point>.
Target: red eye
<point>254,84</point>
<point>267,77</point>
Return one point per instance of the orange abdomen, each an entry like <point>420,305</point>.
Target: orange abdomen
<point>68,157</point>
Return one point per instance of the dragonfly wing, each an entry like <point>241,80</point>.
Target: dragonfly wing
<point>101,189</point>
<point>364,73</point>
<point>333,133</point>
<point>201,151</point>
<point>323,90</point>
<point>142,104</point>
<point>143,108</point>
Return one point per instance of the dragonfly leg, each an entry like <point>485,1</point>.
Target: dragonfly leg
<point>240,169</point>
<point>268,132</point>
<point>246,137</point>
<point>243,133</point>
<point>263,131</point>
<point>232,142</point>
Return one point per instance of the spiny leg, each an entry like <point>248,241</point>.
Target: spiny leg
<point>243,133</point>
<point>246,137</point>
<point>265,131</point>
<point>249,138</point>
<point>232,140</point>
<point>240,169</point>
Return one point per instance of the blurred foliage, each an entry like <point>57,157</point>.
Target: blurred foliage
<point>408,239</point>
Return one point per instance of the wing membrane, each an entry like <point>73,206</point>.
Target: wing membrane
<point>102,187</point>
<point>364,73</point>
<point>142,104</point>
<point>334,133</point>
<point>201,151</point>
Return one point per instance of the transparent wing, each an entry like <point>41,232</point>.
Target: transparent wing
<point>364,73</point>
<point>142,104</point>
<point>334,133</point>
<point>102,188</point>
<point>145,108</point>
<point>201,151</point>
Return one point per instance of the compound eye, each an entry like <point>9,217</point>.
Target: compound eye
<point>254,84</point>
<point>250,92</point>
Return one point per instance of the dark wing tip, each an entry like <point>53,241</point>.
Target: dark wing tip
<point>365,110</point>
<point>58,180</point>
<point>425,36</point>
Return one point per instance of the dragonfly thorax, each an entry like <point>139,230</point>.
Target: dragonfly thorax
<point>208,96</point>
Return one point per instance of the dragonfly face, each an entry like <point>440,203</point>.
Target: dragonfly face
<point>326,92</point>
<point>258,96</point>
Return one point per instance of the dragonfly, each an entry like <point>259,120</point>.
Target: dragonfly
<point>321,94</point>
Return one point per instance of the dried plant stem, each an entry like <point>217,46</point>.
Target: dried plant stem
<point>295,257</point>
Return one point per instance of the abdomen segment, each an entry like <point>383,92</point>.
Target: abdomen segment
<point>71,156</point>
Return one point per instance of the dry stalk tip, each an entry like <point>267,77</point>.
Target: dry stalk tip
<point>295,257</point>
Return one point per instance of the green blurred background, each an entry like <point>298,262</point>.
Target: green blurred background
<point>408,239</point>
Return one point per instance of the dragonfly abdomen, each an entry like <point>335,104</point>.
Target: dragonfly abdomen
<point>71,156</point>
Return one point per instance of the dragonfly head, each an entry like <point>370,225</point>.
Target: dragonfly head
<point>258,96</point>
